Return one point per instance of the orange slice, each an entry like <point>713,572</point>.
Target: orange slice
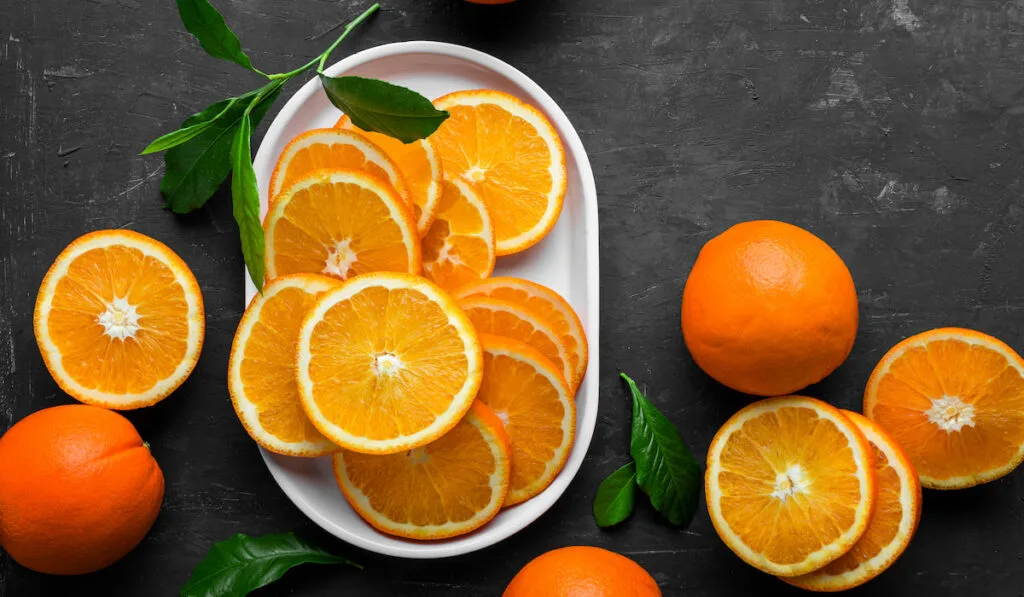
<point>790,484</point>
<point>897,512</point>
<point>525,390</point>
<point>418,164</point>
<point>340,223</point>
<point>954,399</point>
<point>119,320</point>
<point>334,149</point>
<point>511,156</point>
<point>261,370</point>
<point>446,488</point>
<point>387,362</point>
<point>459,247</point>
<point>546,303</point>
<point>509,320</point>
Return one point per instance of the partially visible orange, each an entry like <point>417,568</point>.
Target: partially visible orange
<point>582,571</point>
<point>769,308</point>
<point>459,247</point>
<point>953,398</point>
<point>446,488</point>
<point>419,165</point>
<point>79,489</point>
<point>119,320</point>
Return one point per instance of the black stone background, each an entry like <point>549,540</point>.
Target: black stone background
<point>893,129</point>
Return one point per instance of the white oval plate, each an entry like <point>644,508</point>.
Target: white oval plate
<point>566,260</point>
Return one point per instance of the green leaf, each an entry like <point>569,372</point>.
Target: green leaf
<point>195,169</point>
<point>241,564</point>
<point>385,108</point>
<point>184,134</point>
<point>616,496</point>
<point>245,202</point>
<point>665,469</point>
<point>204,22</point>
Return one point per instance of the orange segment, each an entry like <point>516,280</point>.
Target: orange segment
<point>446,488</point>
<point>525,390</point>
<point>419,165</point>
<point>334,149</point>
<point>790,484</point>
<point>387,362</point>
<point>509,320</point>
<point>340,223</point>
<point>897,512</point>
<point>261,370</point>
<point>511,156</point>
<point>954,399</point>
<point>546,303</point>
<point>459,247</point>
<point>119,320</point>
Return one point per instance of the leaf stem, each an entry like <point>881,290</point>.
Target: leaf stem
<point>322,58</point>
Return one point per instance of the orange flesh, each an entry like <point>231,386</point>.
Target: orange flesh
<point>457,248</point>
<point>101,362</point>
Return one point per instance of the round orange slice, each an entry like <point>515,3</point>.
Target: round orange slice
<point>790,484</point>
<point>954,399</point>
<point>512,157</point>
<point>546,303</point>
<point>387,362</point>
<point>119,320</point>
<point>334,149</point>
<point>897,512</point>
<point>526,391</point>
<point>510,320</point>
<point>459,247</point>
<point>446,488</point>
<point>261,370</point>
<point>340,223</point>
<point>418,163</point>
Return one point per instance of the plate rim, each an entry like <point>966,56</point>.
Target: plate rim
<point>584,434</point>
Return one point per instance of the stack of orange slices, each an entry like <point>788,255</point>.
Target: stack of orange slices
<point>380,337</point>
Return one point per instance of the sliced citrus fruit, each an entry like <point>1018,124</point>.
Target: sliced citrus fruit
<point>954,399</point>
<point>790,484</point>
<point>897,512</point>
<point>261,370</point>
<point>334,149</point>
<point>459,247</point>
<point>387,362</point>
<point>511,155</point>
<point>526,391</point>
<point>119,320</point>
<point>340,223</point>
<point>546,303</point>
<point>418,163</point>
<point>448,487</point>
<point>511,320</point>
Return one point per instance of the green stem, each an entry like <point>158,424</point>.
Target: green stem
<point>322,58</point>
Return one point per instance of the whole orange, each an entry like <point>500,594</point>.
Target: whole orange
<point>582,572</point>
<point>78,489</point>
<point>769,308</point>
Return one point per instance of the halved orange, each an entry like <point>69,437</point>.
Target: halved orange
<point>459,247</point>
<point>511,320</point>
<point>512,157</point>
<point>418,163</point>
<point>340,223</point>
<point>954,399</point>
<point>261,370</point>
<point>119,320</point>
<point>446,488</point>
<point>526,391</point>
<point>546,303</point>
<point>897,512</point>
<point>334,149</point>
<point>790,484</point>
<point>387,362</point>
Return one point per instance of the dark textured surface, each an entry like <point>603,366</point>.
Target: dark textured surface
<point>893,129</point>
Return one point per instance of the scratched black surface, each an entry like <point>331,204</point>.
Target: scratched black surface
<point>894,129</point>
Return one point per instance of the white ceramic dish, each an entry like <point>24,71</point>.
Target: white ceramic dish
<point>566,260</point>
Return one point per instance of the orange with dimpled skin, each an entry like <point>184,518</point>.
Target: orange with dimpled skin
<point>582,571</point>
